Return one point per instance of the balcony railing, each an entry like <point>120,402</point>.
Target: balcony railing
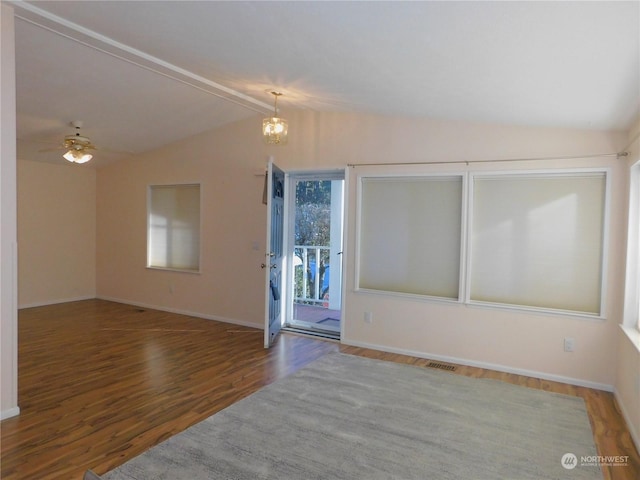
<point>311,274</point>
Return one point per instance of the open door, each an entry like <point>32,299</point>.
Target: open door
<point>313,275</point>
<point>274,255</point>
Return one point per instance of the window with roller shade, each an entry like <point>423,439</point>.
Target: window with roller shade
<point>173,240</point>
<point>410,232</point>
<point>526,240</point>
<point>536,240</point>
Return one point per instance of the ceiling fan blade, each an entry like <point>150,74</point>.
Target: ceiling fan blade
<point>52,149</point>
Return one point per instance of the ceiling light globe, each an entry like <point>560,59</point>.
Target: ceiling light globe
<point>85,158</point>
<point>77,156</point>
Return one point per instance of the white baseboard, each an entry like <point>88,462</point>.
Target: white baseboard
<point>635,435</point>
<point>54,302</point>
<point>11,412</point>
<point>205,316</point>
<point>491,366</point>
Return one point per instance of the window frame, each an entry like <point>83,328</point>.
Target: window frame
<point>463,225</point>
<point>631,315</point>
<point>464,294</point>
<point>149,266</point>
<point>551,173</point>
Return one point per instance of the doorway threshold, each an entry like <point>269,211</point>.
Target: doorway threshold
<point>311,332</point>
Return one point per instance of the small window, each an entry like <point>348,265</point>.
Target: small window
<point>173,240</point>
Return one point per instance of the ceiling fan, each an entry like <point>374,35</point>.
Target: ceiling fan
<point>77,146</point>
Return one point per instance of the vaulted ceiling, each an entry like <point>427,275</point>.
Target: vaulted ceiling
<point>141,74</point>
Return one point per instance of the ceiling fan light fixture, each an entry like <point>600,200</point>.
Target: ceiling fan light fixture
<point>77,145</point>
<point>77,156</point>
<point>275,129</point>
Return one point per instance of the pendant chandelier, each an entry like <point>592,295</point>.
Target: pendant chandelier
<point>275,129</point>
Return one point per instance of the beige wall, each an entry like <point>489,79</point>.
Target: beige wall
<point>502,339</point>
<point>230,286</point>
<point>56,233</point>
<point>627,385</point>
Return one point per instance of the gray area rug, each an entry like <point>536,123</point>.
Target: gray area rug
<point>347,417</point>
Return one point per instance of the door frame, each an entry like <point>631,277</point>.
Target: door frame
<point>291,177</point>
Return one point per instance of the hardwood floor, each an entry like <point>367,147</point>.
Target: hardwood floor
<point>101,382</point>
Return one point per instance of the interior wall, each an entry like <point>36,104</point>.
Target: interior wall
<point>8,220</point>
<point>56,233</point>
<point>627,385</point>
<point>230,172</point>
<point>503,339</point>
<point>228,162</point>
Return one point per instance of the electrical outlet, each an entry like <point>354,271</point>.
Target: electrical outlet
<point>569,344</point>
<point>368,317</point>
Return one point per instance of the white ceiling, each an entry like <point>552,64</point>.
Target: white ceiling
<point>142,74</point>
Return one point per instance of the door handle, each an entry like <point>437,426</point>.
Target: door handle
<point>271,266</point>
